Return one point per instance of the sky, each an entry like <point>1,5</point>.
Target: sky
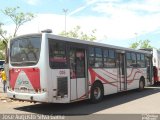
<point>117,22</point>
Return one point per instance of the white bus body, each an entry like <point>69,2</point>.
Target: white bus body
<point>49,68</point>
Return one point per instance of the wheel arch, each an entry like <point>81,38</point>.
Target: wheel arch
<point>98,81</point>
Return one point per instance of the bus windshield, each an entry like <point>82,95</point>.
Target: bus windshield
<point>25,51</point>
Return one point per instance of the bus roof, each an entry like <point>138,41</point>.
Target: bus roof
<point>27,35</point>
<point>94,43</point>
<point>53,36</point>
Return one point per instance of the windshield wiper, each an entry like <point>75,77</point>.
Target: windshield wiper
<point>29,61</point>
<point>24,62</point>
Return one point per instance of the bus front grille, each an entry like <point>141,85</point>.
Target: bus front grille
<point>62,86</point>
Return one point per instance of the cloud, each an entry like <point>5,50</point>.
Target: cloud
<point>126,18</point>
<point>32,2</point>
<point>77,10</point>
<point>105,6</point>
<point>119,19</point>
<point>117,27</point>
<point>82,7</point>
<point>113,28</point>
<point>116,20</point>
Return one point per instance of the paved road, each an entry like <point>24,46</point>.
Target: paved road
<point>132,102</point>
<point>127,105</point>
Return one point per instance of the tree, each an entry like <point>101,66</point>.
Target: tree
<point>3,43</point>
<point>18,18</point>
<point>78,34</point>
<point>141,44</point>
<point>2,48</point>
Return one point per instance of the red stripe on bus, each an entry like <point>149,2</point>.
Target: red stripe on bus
<point>93,75</point>
<point>109,72</point>
<point>33,75</point>
<point>130,81</point>
<point>110,76</point>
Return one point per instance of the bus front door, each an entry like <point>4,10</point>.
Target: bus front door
<point>78,81</point>
<point>122,83</point>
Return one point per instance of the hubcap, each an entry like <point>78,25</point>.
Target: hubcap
<point>97,92</point>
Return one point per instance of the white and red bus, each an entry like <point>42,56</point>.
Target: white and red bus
<point>156,63</point>
<point>48,68</point>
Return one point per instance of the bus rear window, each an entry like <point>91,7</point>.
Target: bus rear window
<point>25,51</point>
<point>57,54</point>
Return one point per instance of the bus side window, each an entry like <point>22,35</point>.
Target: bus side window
<point>98,57</point>
<point>111,61</point>
<point>91,57</point>
<point>142,62</point>
<point>129,60</point>
<point>138,60</point>
<point>95,57</point>
<point>133,59</point>
<point>57,55</point>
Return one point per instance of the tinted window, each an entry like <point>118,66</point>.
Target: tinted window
<point>91,61</point>
<point>91,51</point>
<point>109,58</point>
<point>128,56</point>
<point>98,57</point>
<point>98,52</point>
<point>25,51</point>
<point>91,57</point>
<point>95,57</point>
<point>105,53</point>
<point>138,57</point>
<point>131,59</point>
<point>57,54</point>
<point>111,54</point>
<point>109,63</point>
<point>133,56</point>
<point>142,56</point>
<point>142,61</point>
<point>98,62</point>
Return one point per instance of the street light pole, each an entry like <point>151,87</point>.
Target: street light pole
<point>65,13</point>
<point>136,36</point>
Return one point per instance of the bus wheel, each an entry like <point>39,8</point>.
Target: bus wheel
<point>141,84</point>
<point>97,92</point>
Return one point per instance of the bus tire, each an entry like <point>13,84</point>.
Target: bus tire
<point>97,92</point>
<point>141,84</point>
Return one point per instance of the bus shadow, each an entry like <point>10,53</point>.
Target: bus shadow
<point>85,108</point>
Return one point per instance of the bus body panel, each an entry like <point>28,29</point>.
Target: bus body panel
<point>133,77</point>
<point>59,83</point>
<point>110,77</point>
<point>27,78</point>
<point>107,76</point>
